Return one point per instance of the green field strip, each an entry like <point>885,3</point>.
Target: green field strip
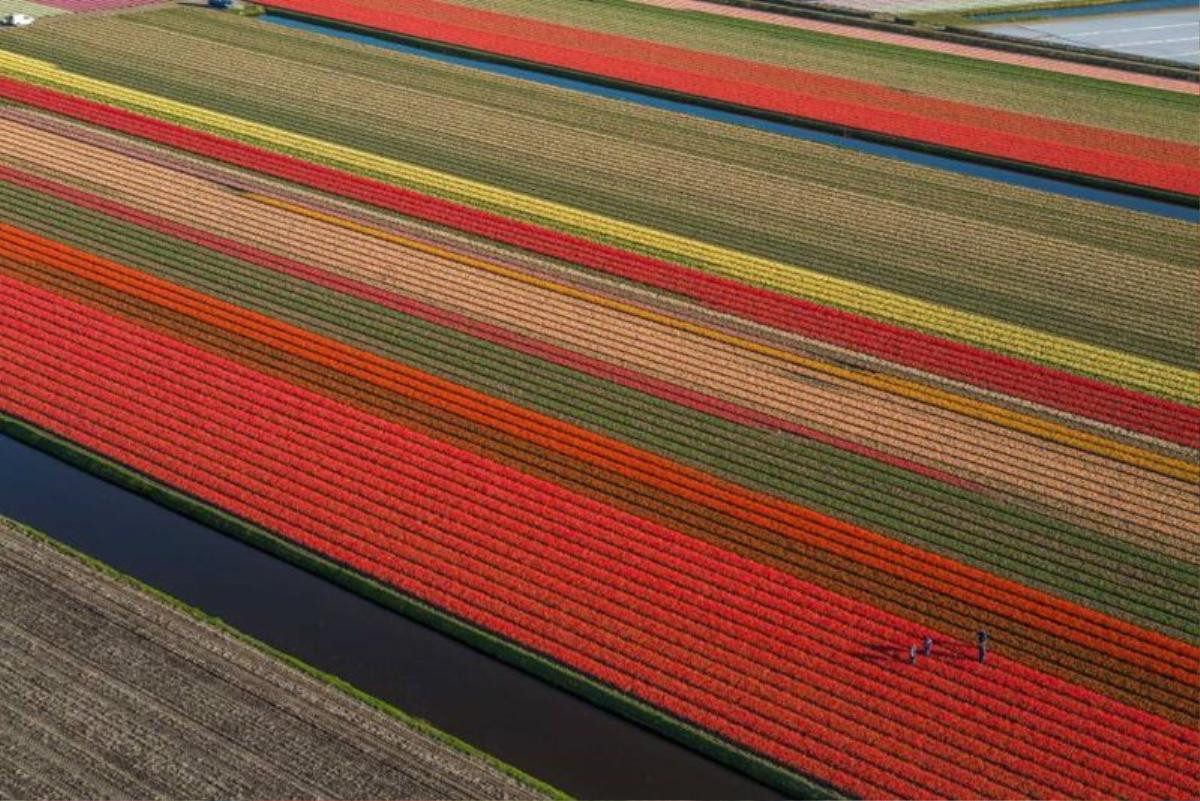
<point>694,737</point>
<point>1087,311</point>
<point>35,10</point>
<point>1008,540</point>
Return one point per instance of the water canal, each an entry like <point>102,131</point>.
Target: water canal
<point>960,166</point>
<point>549,733</point>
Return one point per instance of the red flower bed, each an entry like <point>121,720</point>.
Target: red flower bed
<point>852,104</point>
<point>766,660</point>
<point>1088,397</point>
<point>599,368</point>
<point>1143,655</point>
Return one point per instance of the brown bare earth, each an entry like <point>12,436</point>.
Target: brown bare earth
<point>109,692</point>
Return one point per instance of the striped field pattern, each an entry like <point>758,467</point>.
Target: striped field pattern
<point>914,65</point>
<point>1080,149</point>
<point>725,485</point>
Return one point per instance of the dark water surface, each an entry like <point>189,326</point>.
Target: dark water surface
<point>545,731</point>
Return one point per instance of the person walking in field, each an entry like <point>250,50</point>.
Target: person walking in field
<point>928,649</point>
<point>912,654</point>
<point>983,645</point>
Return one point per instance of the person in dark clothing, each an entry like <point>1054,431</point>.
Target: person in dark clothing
<point>928,645</point>
<point>983,645</point>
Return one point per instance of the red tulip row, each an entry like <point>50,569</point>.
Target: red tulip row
<point>533,549</point>
<point>852,104</point>
<point>1134,674</point>
<point>1133,648</point>
<point>491,333</point>
<point>193,312</point>
<point>255,482</point>
<point>1018,473</point>
<point>1042,63</point>
<point>527,345</point>
<point>1119,406</point>
<point>476,567</point>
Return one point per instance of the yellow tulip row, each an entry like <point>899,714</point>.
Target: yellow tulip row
<point>1132,371</point>
<point>968,407</point>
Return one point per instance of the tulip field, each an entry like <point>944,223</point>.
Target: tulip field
<point>1156,164</point>
<point>707,424</point>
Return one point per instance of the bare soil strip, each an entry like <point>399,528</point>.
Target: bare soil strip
<point>111,692</point>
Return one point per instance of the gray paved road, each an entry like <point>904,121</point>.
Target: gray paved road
<point>1173,35</point>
